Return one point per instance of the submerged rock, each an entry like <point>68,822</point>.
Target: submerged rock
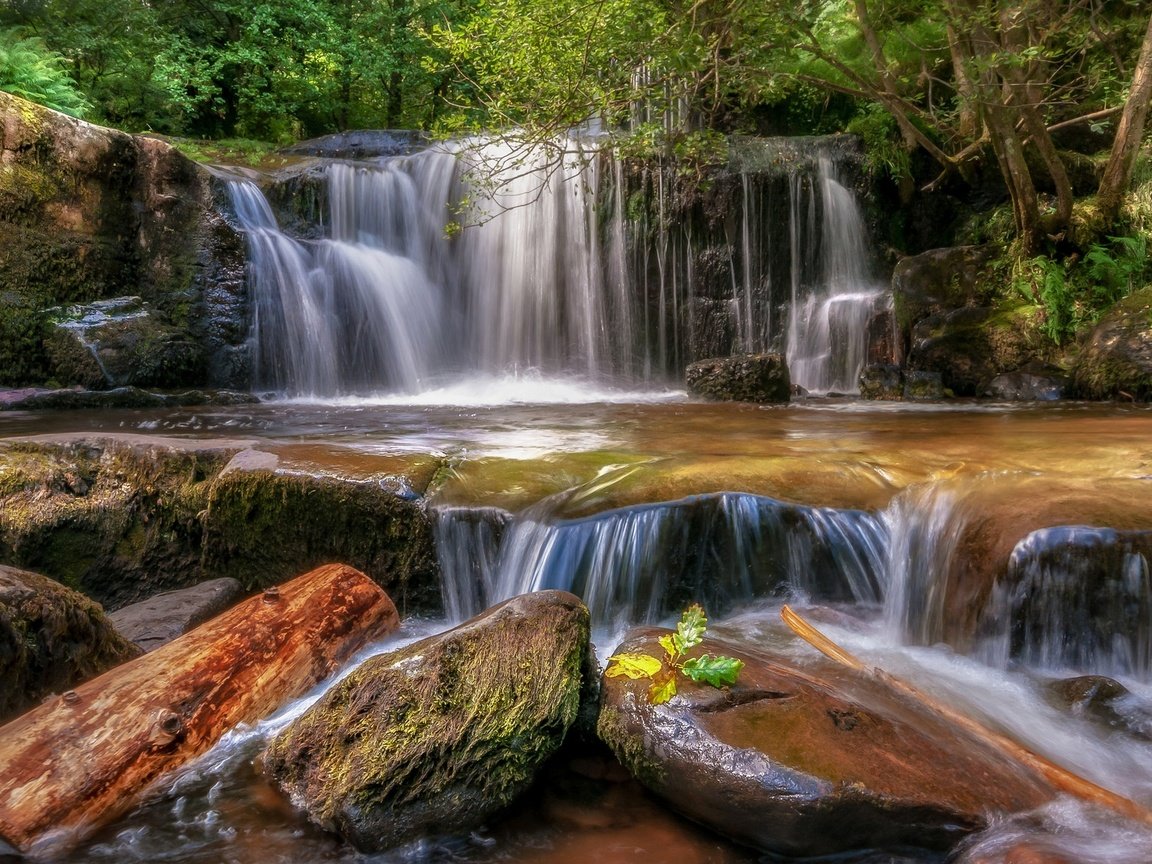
<point>51,638</point>
<point>883,381</point>
<point>923,386</point>
<point>1034,383</point>
<point>160,619</point>
<point>761,378</point>
<point>808,759</point>
<point>1117,361</point>
<point>439,735</point>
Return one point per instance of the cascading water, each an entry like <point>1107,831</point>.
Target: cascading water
<point>555,270</point>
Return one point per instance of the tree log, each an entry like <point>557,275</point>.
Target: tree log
<point>83,758</point>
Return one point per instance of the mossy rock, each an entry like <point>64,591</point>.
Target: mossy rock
<point>51,638</point>
<point>1116,362</point>
<point>940,280</point>
<point>263,527</point>
<point>759,378</point>
<point>436,737</point>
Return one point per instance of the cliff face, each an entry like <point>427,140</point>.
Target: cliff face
<point>88,214</point>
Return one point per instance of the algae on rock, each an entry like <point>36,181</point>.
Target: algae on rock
<point>439,735</point>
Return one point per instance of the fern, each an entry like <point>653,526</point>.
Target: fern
<point>30,70</point>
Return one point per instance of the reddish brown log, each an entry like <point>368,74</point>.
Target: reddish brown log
<point>83,758</point>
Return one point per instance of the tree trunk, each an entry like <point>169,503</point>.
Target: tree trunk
<point>83,758</point>
<point>1130,132</point>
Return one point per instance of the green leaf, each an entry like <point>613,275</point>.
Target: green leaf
<point>663,688</point>
<point>691,627</point>
<point>717,671</point>
<point>632,666</point>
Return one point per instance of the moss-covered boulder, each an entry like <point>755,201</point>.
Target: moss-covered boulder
<point>438,736</point>
<point>806,758</point>
<point>124,518</point>
<point>761,378</point>
<point>51,638</point>
<point>89,213</point>
<point>1116,362</point>
<point>940,280</point>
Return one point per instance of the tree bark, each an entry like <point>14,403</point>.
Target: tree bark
<point>81,759</point>
<point>1129,134</point>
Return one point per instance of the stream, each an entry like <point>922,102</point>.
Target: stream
<point>898,509</point>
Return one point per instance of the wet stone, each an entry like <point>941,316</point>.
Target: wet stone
<point>761,378</point>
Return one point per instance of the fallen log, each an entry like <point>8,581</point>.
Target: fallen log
<point>80,759</point>
<point>1060,778</point>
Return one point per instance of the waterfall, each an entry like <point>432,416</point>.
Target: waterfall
<point>642,563</point>
<point>828,324</point>
<point>487,259</point>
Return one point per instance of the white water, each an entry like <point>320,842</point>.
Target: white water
<point>545,276</point>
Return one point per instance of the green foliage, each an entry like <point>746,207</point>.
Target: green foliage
<point>718,671</point>
<point>884,152</point>
<point>1073,293</point>
<point>30,70</point>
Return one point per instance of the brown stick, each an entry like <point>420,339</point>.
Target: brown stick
<point>83,758</point>
<point>1060,778</point>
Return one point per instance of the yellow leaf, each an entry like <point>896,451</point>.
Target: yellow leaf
<point>662,689</point>
<point>632,665</point>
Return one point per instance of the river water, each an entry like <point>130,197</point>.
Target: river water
<point>901,509</point>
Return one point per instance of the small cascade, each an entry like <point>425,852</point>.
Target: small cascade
<point>493,259</point>
<point>1075,599</point>
<point>642,563</point>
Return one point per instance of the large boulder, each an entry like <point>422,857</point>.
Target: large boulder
<point>940,280</point>
<point>51,638</point>
<point>1116,363</point>
<point>759,378</point>
<point>89,213</point>
<point>436,737</point>
<point>808,759</point>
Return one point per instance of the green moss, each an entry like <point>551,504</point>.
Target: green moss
<point>629,748</point>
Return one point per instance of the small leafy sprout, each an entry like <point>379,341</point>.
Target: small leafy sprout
<point>717,671</point>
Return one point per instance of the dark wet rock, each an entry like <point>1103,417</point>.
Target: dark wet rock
<point>761,378</point>
<point>51,638</point>
<point>126,518</point>
<point>883,381</point>
<point>36,399</point>
<point>360,144</point>
<point>121,341</point>
<point>1034,383</point>
<point>808,760</point>
<point>970,346</point>
<point>160,619</point>
<point>436,737</point>
<point>940,280</point>
<point>885,345</point>
<point>1077,597</point>
<point>89,213</point>
<point>922,386</point>
<point>1103,700</point>
<point>1116,363</point>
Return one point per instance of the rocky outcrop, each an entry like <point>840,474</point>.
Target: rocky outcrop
<point>72,398</point>
<point>1116,363</point>
<point>882,381</point>
<point>808,760</point>
<point>160,619</point>
<point>88,214</point>
<point>940,280</point>
<point>123,519</point>
<point>438,736</point>
<point>51,638</point>
<point>761,378</point>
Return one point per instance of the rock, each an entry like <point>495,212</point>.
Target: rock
<point>883,381</point>
<point>1034,383</point>
<point>970,346</point>
<point>761,378</point>
<point>89,213</point>
<point>124,518</point>
<point>117,342</point>
<point>1104,700</point>
<point>51,639</point>
<point>160,619</point>
<point>808,759</point>
<point>36,399</point>
<point>923,386</point>
<point>1116,363</point>
<point>360,144</point>
<point>435,737</point>
<point>940,280</point>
